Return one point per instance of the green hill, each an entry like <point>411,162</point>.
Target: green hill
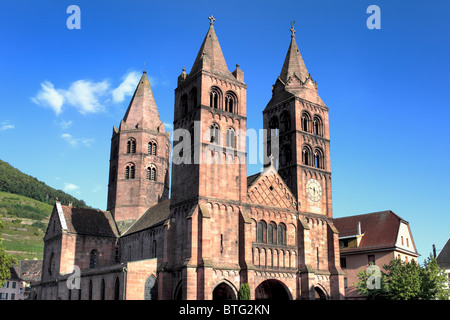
<point>25,221</point>
<point>14,181</point>
<point>25,207</point>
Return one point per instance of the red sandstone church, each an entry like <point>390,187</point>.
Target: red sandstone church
<point>220,228</point>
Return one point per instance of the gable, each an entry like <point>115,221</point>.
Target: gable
<point>269,189</point>
<point>56,222</point>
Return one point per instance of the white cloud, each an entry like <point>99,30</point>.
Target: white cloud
<point>74,142</point>
<point>127,87</point>
<point>49,97</point>
<point>90,97</point>
<point>65,124</point>
<point>70,187</point>
<point>5,125</point>
<point>85,95</point>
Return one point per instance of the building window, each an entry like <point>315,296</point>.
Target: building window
<point>281,230</point>
<point>306,120</point>
<point>345,283</point>
<point>285,156</point>
<point>152,148</point>
<point>370,258</point>
<point>129,171</point>
<point>230,102</point>
<point>102,291</point>
<point>274,126</point>
<point>318,159</point>
<point>131,146</point>
<point>184,105</point>
<point>193,98</point>
<point>117,289</point>
<point>93,259</point>
<point>306,155</point>
<point>51,265</point>
<point>285,122</point>
<point>90,289</point>
<point>231,139</point>
<point>151,173</point>
<point>214,132</point>
<point>343,263</point>
<point>214,98</point>
<point>317,126</point>
<point>261,232</point>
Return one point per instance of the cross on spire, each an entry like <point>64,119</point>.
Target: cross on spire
<point>211,20</point>
<point>292,29</point>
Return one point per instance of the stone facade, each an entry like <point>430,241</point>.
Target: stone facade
<point>273,230</point>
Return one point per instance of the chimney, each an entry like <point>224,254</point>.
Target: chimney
<point>70,204</point>
<point>358,228</point>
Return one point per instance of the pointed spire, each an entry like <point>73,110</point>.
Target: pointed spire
<point>210,56</point>
<point>293,64</point>
<point>142,111</point>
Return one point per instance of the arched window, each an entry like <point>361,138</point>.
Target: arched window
<point>93,259</point>
<point>90,289</point>
<point>131,146</point>
<point>281,233</point>
<point>306,156</point>
<point>317,126</point>
<point>261,235</point>
<point>272,233</point>
<point>51,264</point>
<point>285,122</point>
<point>230,102</point>
<point>214,98</point>
<point>184,105</point>
<point>193,98</point>
<point>151,173</point>
<point>274,125</point>
<point>129,171</point>
<point>102,290</point>
<point>286,155</point>
<point>117,289</point>
<point>231,139</point>
<point>214,133</point>
<point>319,159</point>
<point>152,148</point>
<point>306,120</point>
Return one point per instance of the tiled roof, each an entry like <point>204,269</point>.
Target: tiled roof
<point>443,258</point>
<point>379,228</point>
<point>153,216</point>
<point>29,270</point>
<point>90,221</point>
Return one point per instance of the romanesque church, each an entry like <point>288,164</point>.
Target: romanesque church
<point>219,228</point>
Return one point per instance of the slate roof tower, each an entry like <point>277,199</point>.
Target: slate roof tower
<point>139,163</point>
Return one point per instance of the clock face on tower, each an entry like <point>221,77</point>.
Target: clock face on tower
<point>313,190</point>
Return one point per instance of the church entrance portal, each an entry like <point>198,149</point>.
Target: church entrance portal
<point>223,292</point>
<point>320,295</point>
<point>272,290</point>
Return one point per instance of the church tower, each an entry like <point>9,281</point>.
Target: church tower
<point>140,153</point>
<point>299,119</point>
<point>208,170</point>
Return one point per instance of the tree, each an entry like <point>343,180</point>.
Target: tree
<point>434,281</point>
<point>405,281</point>
<point>244,291</point>
<point>379,291</point>
<point>6,262</point>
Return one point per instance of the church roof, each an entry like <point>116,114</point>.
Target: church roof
<point>443,258</point>
<point>89,222</point>
<point>152,216</point>
<point>210,56</point>
<point>142,110</point>
<point>28,270</point>
<point>293,63</point>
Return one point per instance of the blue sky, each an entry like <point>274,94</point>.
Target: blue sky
<point>62,91</point>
